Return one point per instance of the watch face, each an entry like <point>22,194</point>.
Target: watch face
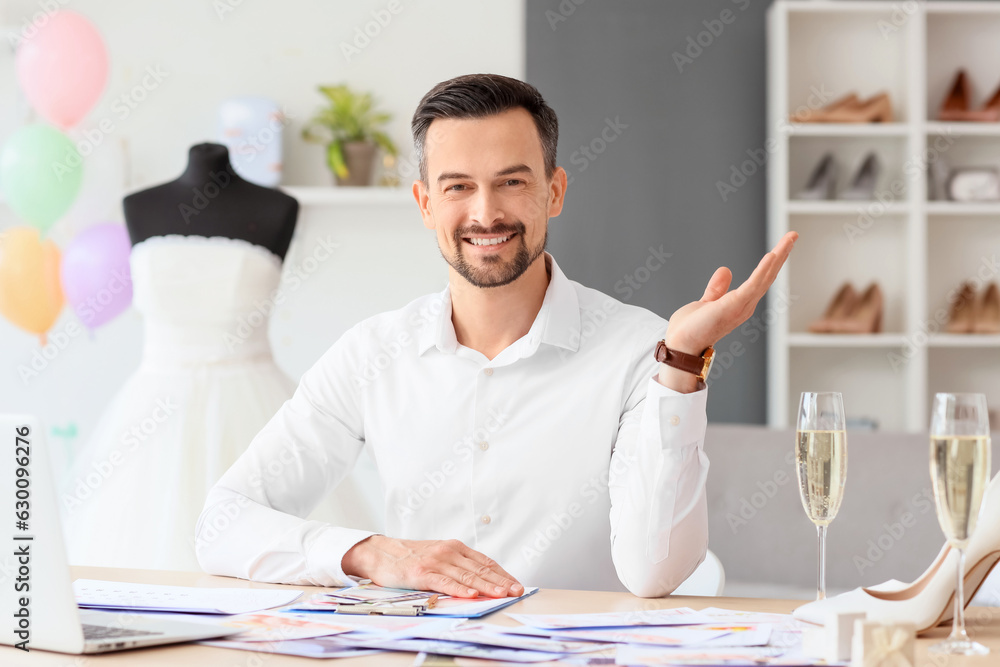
<point>709,360</point>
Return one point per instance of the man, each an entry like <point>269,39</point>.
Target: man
<point>522,428</point>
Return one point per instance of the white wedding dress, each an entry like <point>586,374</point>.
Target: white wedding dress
<point>206,385</point>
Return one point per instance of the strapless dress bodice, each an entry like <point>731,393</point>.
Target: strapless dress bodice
<point>205,300</point>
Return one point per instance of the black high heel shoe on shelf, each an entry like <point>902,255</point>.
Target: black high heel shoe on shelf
<point>822,181</point>
<point>862,187</point>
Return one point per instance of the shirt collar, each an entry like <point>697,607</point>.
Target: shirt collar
<point>558,318</point>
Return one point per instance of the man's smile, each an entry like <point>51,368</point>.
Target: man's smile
<point>491,242</point>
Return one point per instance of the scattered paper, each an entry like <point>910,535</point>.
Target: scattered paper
<point>307,648</point>
<point>678,616</point>
<point>494,635</point>
<point>274,626</point>
<point>445,605</point>
<point>643,656</point>
<point>188,599</point>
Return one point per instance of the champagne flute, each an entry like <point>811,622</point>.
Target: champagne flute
<point>960,471</point>
<point>821,453</point>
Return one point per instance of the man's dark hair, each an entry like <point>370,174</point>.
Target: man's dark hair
<point>479,96</point>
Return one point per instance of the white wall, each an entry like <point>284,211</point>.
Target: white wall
<point>281,50</point>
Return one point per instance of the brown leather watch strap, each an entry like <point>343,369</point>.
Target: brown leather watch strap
<point>690,363</point>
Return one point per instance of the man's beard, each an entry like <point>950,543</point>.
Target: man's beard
<point>498,273</point>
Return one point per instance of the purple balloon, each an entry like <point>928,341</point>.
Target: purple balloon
<point>96,277</point>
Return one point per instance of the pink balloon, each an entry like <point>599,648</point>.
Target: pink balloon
<point>96,277</point>
<point>62,68</point>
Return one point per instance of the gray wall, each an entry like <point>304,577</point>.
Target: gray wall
<point>655,182</point>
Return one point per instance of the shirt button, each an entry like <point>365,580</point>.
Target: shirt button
<point>486,518</point>
<point>675,420</point>
<point>484,445</point>
<point>488,371</point>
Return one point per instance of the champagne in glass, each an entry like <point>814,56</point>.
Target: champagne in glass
<point>822,459</point>
<point>821,453</point>
<point>960,470</point>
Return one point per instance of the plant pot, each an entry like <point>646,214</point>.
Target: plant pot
<point>359,156</point>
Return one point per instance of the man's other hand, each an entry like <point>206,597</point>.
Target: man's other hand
<point>442,566</point>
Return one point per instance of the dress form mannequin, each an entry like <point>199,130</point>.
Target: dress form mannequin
<point>210,199</point>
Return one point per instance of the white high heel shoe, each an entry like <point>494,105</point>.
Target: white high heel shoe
<point>928,601</point>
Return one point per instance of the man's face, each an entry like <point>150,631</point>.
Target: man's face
<point>487,196</point>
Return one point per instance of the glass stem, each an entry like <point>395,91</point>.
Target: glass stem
<point>821,570</point>
<point>958,625</point>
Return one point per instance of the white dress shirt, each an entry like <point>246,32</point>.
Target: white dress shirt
<point>563,458</point>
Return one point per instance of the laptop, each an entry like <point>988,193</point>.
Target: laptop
<point>36,591</point>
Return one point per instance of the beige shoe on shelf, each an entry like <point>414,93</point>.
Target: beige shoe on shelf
<point>876,109</point>
<point>987,320</point>
<point>839,308</point>
<point>819,115</point>
<point>866,316</point>
<point>963,311</point>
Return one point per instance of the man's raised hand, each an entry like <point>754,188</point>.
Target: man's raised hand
<point>699,324</point>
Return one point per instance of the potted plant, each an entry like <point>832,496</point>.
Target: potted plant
<point>351,128</point>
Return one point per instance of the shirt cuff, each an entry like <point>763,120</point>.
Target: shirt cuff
<point>679,419</point>
<point>326,553</point>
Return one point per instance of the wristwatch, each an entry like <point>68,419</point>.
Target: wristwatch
<point>700,365</point>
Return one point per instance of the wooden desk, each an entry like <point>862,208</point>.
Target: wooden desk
<point>983,624</point>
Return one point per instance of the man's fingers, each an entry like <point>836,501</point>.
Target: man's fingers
<point>501,584</point>
<point>718,285</point>
<point>470,580</point>
<point>482,559</point>
<point>442,583</point>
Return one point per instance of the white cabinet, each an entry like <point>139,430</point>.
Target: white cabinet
<point>919,250</point>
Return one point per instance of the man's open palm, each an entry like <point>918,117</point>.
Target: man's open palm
<point>701,323</point>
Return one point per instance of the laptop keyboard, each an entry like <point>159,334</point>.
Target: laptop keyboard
<point>93,632</point>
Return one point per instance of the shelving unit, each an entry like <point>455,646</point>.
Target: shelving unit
<point>370,196</point>
<point>917,250</point>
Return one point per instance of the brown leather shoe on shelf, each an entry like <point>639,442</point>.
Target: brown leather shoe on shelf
<point>956,104</point>
<point>988,317</point>
<point>866,317</point>
<point>819,115</point>
<point>876,109</point>
<point>839,308</point>
<point>962,313</point>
